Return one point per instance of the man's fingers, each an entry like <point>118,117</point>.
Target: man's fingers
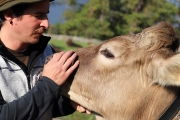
<point>66,57</point>
<point>59,67</point>
<point>57,56</point>
<point>70,61</point>
<point>72,68</point>
<point>88,112</point>
<point>83,110</point>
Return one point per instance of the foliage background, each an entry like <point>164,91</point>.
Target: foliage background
<point>104,19</point>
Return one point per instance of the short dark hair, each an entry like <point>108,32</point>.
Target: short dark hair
<point>18,10</point>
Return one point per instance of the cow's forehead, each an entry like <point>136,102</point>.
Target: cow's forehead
<point>118,42</point>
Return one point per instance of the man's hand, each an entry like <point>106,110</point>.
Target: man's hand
<point>80,108</point>
<point>60,66</point>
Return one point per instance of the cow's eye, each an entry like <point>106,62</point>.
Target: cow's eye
<point>107,53</point>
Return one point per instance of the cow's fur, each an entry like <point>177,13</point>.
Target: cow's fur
<point>129,77</point>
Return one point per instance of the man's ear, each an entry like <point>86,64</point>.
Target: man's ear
<point>8,15</point>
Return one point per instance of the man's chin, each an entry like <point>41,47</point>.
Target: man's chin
<point>35,40</point>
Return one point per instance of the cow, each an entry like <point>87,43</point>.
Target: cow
<point>128,77</point>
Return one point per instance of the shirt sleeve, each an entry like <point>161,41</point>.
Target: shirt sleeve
<point>35,103</point>
<point>62,107</point>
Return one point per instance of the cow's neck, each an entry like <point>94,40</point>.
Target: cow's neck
<point>161,98</point>
<point>173,110</point>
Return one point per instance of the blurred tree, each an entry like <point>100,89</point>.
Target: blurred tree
<point>87,20</point>
<point>54,29</point>
<point>104,19</point>
<point>130,16</point>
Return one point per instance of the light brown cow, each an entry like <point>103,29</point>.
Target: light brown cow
<point>131,77</point>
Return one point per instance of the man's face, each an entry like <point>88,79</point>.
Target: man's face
<point>30,26</point>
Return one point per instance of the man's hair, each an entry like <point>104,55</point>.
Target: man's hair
<point>18,10</point>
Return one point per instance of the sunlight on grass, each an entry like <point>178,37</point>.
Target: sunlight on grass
<point>61,44</point>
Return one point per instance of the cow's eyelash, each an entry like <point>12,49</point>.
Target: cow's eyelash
<point>107,53</point>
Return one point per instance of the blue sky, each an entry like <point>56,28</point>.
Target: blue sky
<point>55,14</point>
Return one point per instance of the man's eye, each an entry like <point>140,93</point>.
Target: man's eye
<point>40,15</point>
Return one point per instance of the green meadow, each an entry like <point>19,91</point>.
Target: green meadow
<point>62,45</point>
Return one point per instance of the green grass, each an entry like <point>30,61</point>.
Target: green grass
<point>61,44</point>
<point>78,116</point>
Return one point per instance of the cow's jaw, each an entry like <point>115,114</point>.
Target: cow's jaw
<point>82,100</point>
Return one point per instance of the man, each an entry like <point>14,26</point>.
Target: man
<point>30,90</point>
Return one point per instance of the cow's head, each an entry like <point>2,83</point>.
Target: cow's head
<point>126,73</point>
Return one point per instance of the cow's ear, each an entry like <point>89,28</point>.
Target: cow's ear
<point>167,72</point>
<point>159,36</point>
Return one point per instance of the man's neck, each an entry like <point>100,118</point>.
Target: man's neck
<point>11,42</point>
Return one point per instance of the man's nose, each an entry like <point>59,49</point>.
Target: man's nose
<point>45,23</point>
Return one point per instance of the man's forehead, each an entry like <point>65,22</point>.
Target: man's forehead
<point>38,8</point>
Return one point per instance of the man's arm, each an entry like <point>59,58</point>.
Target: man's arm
<point>33,104</point>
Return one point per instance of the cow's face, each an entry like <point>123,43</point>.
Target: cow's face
<point>125,66</point>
